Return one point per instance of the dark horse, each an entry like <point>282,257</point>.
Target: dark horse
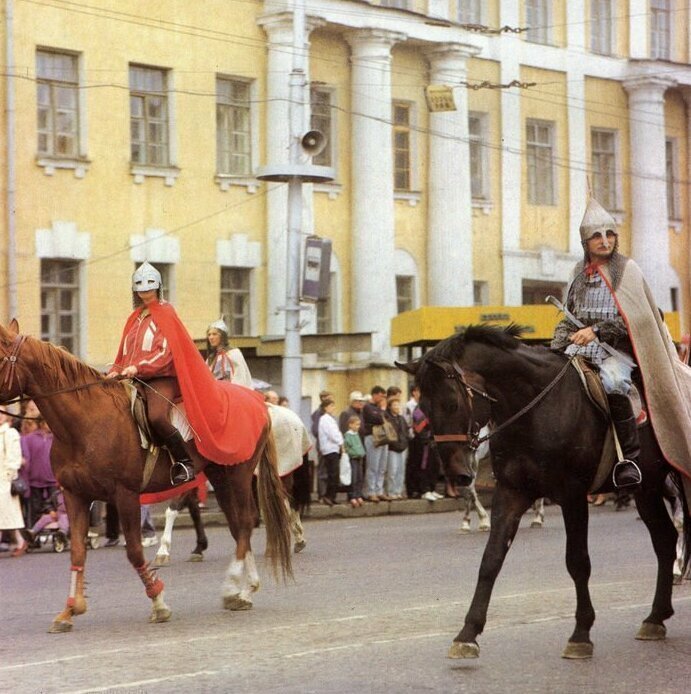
<point>96,454</point>
<point>486,374</point>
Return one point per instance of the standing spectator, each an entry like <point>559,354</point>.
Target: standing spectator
<point>352,442</point>
<point>11,518</point>
<point>372,414</point>
<point>414,460</point>
<point>429,464</point>
<point>271,396</point>
<point>321,469</point>
<point>283,401</point>
<point>149,538</point>
<point>36,452</point>
<point>398,451</point>
<point>331,447</point>
<point>357,402</point>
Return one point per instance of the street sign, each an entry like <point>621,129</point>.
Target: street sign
<point>440,97</point>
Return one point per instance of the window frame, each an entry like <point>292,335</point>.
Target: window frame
<point>250,134</point>
<point>147,95</point>
<point>672,184</point>
<point>227,295</point>
<point>611,201</point>
<point>469,11</point>
<point>408,296</point>
<point>602,27</point>
<point>655,33</point>
<point>540,32</point>
<point>479,143</point>
<point>331,135</point>
<point>408,129</point>
<point>54,334</point>
<point>533,190</point>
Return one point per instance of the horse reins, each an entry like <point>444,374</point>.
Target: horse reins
<point>474,441</point>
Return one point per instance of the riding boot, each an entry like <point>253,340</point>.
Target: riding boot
<point>182,469</point>
<point>626,473</point>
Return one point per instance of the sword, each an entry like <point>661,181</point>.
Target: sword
<point>580,324</point>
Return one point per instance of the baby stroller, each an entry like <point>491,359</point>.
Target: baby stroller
<point>50,535</point>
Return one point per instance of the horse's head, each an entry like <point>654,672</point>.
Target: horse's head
<point>10,345</point>
<point>457,406</point>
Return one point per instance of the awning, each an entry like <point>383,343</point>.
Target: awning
<point>427,325</point>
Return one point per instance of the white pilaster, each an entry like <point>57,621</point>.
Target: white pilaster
<point>279,29</point>
<point>649,223</point>
<point>578,137</point>
<point>639,39</point>
<point>576,25</point>
<point>450,221</point>
<point>373,268</point>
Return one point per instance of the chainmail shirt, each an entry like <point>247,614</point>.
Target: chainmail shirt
<point>598,305</point>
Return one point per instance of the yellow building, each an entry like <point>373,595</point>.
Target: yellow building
<point>135,131</point>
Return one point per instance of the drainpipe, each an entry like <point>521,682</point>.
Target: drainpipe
<point>12,308</point>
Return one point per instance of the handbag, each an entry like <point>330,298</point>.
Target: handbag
<point>384,434</point>
<point>344,470</point>
<point>19,487</point>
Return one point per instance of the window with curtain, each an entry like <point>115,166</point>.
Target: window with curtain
<point>470,11</point>
<point>537,19</point>
<point>322,120</point>
<point>660,29</point>
<point>233,127</point>
<point>235,299</point>
<point>60,303</point>
<point>604,167</point>
<point>540,162</point>
<point>402,146</point>
<point>601,26</point>
<point>149,116</point>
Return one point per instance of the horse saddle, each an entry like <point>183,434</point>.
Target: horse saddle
<point>592,384</point>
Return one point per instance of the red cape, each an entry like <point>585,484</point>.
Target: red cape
<point>227,419</point>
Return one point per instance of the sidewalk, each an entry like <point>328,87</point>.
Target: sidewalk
<point>213,516</point>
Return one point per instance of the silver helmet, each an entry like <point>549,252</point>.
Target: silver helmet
<point>596,220</point>
<point>219,325</point>
<point>145,278</point>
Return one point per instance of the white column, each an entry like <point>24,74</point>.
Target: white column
<point>578,137</point>
<point>649,222</point>
<point>576,26</point>
<point>450,214</point>
<point>373,287</point>
<point>639,34</point>
<point>279,29</point>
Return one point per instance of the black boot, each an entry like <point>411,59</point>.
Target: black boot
<point>182,469</point>
<point>626,473</point>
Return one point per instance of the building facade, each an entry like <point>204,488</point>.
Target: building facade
<point>135,132</point>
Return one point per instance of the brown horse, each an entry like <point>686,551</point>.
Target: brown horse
<point>97,455</point>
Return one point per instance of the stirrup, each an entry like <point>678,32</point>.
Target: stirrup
<point>631,475</point>
<point>184,474</point>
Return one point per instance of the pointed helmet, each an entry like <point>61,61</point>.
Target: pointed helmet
<point>219,325</point>
<point>145,278</point>
<point>596,220</point>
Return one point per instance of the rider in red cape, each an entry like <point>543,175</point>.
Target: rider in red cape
<point>227,419</point>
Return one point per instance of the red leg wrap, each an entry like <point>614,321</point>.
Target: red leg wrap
<point>154,585</point>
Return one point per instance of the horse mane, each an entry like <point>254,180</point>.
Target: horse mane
<point>502,337</point>
<point>65,367</point>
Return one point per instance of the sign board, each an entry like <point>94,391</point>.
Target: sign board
<point>316,275</point>
<point>440,97</point>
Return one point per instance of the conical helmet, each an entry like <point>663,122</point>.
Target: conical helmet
<point>596,220</point>
<point>145,278</point>
<point>219,325</point>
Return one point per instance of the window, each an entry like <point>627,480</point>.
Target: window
<point>539,152</point>
<point>480,293</point>
<point>321,119</point>
<point>397,4</point>
<point>57,86</point>
<point>660,29</point>
<point>235,299</point>
<point>405,293</point>
<point>672,179</point>
<point>538,20</point>
<point>60,303</point>
<point>469,11</point>
<point>149,116</point>
<point>325,310</point>
<point>536,291</point>
<point>233,128</point>
<point>601,26</point>
<point>603,164</point>
<point>479,174</point>
<point>401,146</point>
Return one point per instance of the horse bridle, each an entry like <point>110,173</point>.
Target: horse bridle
<point>452,370</point>
<point>11,360</point>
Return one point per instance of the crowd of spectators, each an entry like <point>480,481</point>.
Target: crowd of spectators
<point>402,466</point>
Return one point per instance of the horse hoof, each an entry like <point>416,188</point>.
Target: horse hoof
<point>578,650</point>
<point>651,632</point>
<point>162,560</point>
<point>236,603</point>
<point>483,528</point>
<point>536,524</point>
<point>299,546</point>
<point>460,650</point>
<point>162,614</point>
<point>195,557</point>
<point>60,627</point>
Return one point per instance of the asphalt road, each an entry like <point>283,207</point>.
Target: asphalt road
<point>374,608</point>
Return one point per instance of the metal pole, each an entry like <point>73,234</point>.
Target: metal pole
<point>12,306</point>
<point>292,356</point>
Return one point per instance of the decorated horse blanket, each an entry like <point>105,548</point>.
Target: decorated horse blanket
<point>666,379</point>
<point>291,437</point>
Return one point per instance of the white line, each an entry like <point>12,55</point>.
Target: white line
<point>42,662</point>
<point>324,650</point>
<point>141,683</point>
<point>360,644</point>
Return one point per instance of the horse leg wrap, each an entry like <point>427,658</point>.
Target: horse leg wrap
<point>75,572</point>
<point>153,584</point>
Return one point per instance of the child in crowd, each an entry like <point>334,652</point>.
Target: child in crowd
<point>53,512</point>
<point>356,452</point>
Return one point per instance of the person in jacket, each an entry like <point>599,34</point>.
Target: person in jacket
<point>330,447</point>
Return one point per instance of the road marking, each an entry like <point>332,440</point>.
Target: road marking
<point>42,662</point>
<point>141,683</point>
<point>675,600</point>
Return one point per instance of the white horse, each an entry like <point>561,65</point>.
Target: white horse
<point>292,444</point>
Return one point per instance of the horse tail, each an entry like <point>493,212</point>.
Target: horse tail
<point>302,496</point>
<point>274,508</point>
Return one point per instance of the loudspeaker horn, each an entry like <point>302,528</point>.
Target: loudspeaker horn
<point>313,142</point>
